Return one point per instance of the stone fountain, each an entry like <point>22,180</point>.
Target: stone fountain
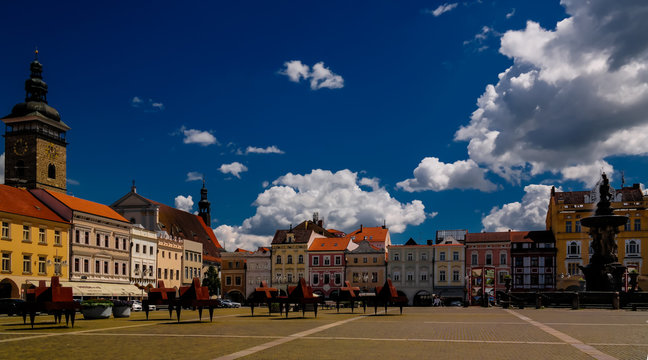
<point>604,272</point>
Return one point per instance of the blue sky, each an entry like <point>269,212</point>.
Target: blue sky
<point>428,114</point>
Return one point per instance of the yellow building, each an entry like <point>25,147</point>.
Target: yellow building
<point>566,209</point>
<point>34,242</point>
<point>290,252</point>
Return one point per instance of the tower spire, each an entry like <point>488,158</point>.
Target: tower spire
<point>204,206</point>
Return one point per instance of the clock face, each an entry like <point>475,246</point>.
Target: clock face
<point>51,151</point>
<point>20,147</point>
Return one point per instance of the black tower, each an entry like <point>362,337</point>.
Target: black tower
<point>204,206</point>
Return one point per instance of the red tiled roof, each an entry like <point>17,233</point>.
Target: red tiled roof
<point>86,206</point>
<point>302,233</point>
<point>329,244</point>
<point>373,234</point>
<point>21,202</point>
<point>188,226</point>
<point>488,236</point>
<point>532,236</point>
<point>239,250</point>
<point>632,193</point>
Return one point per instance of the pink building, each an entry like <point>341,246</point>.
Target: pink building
<point>489,251</point>
<point>327,261</point>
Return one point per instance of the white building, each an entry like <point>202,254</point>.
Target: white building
<point>143,250</point>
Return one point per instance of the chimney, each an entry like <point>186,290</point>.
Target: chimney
<point>320,223</point>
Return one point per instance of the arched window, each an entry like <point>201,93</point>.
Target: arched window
<point>278,259</point>
<point>20,169</point>
<point>300,260</point>
<point>289,261</point>
<point>573,248</point>
<point>51,171</point>
<point>632,247</point>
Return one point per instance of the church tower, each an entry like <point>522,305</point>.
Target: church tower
<point>204,206</point>
<point>35,146</point>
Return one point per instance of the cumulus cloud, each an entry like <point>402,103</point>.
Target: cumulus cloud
<point>442,9</point>
<point>268,150</point>
<point>529,214</point>
<point>2,168</point>
<point>184,203</point>
<point>338,197</point>
<point>194,175</point>
<point>193,136</point>
<point>574,96</point>
<point>148,105</point>
<point>432,174</point>
<point>319,77</point>
<point>235,168</point>
<point>232,238</point>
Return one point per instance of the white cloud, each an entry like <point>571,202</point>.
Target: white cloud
<point>510,14</point>
<point>442,9</point>
<point>589,174</point>
<point>231,238</point>
<point>320,76</point>
<point>268,150</point>
<point>265,184</point>
<point>194,175</point>
<point>72,182</point>
<point>235,168</point>
<point>574,96</point>
<point>432,174</point>
<point>193,136</point>
<point>184,203</point>
<point>529,214</point>
<point>2,168</point>
<point>338,198</point>
<point>147,105</point>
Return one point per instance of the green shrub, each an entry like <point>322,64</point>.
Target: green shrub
<point>96,302</point>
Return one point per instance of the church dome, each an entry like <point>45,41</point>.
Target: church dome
<point>26,108</point>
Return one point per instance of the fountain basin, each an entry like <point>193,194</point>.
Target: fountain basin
<point>604,221</point>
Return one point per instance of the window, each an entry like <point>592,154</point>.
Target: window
<point>364,260</point>
<point>86,265</point>
<point>502,274</point>
<point>300,259</point>
<point>338,260</point>
<point>41,236</point>
<point>6,262</point>
<point>315,260</point>
<point>57,266</point>
<point>137,266</point>
<point>534,279</point>
<point>151,250</point>
<point>338,279</point>
<point>41,264</point>
<point>503,259</point>
<point>159,273</point>
<point>278,259</point>
<point>632,248</point>
<point>396,257</point>
<point>455,255</point>
<point>442,256</point>
<point>186,272</point>
<point>573,269</point>
<point>356,277</point>
<point>637,225</point>
<point>424,256</point>
<point>442,275</point>
<point>51,171</point>
<point>57,237</point>
<point>573,248</point>
<point>327,260</point>
<point>98,239</point>
<point>228,280</point>
<point>355,260</point>
<point>568,226</point>
<point>290,278</point>
<point>410,256</point>
<point>534,261</point>
<point>117,268</point>
<point>5,230</point>
<point>238,281</point>
<point>124,245</point>
<point>374,277</point>
<point>315,279</point>
<point>26,236</point>
<point>289,260</point>
<point>170,274</point>
<point>136,248</point>
<point>143,249</point>
<point>518,262</point>
<point>396,276</point>
<point>455,275</point>
<point>177,273</point>
<point>489,259</point>
<point>87,238</point>
<point>375,259</point>
<point>27,264</point>
<point>106,264</point>
<point>578,226</point>
<point>327,279</point>
<point>410,276</point>
<point>424,276</point>
<point>626,227</point>
<point>473,259</point>
<point>97,266</point>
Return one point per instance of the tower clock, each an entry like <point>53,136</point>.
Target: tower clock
<point>35,145</point>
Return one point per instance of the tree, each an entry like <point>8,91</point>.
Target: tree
<point>212,281</point>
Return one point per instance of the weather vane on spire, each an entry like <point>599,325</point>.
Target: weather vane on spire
<point>36,53</point>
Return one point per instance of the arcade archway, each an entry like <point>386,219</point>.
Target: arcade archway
<point>9,289</point>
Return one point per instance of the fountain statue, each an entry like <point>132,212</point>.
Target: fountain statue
<point>604,272</point>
